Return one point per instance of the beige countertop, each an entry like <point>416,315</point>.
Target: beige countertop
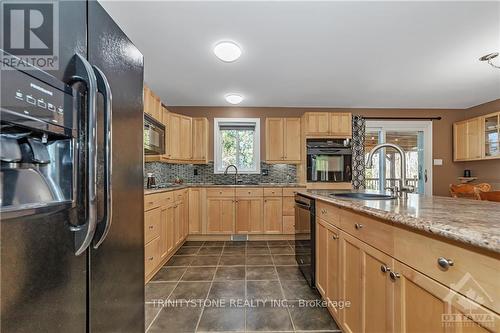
<point>468,221</point>
<point>260,185</point>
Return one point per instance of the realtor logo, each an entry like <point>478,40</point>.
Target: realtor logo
<point>30,32</point>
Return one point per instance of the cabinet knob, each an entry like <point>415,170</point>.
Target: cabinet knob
<point>358,226</point>
<point>385,269</point>
<point>151,227</point>
<point>445,263</point>
<point>394,276</point>
<point>335,237</point>
<point>150,258</point>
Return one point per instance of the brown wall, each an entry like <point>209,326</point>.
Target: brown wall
<point>442,131</point>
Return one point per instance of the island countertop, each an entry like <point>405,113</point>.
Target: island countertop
<point>467,221</point>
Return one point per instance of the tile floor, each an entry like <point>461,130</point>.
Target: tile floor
<point>233,287</point>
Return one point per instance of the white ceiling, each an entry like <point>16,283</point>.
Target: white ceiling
<point>318,54</point>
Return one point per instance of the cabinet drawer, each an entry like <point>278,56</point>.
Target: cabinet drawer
<point>180,195</point>
<point>289,206</point>
<point>249,192</point>
<point>273,192</point>
<point>471,270</point>
<point>329,213</point>
<point>291,191</point>
<point>220,192</point>
<point>151,255</point>
<point>288,225</point>
<point>152,201</point>
<point>376,233</point>
<point>152,219</point>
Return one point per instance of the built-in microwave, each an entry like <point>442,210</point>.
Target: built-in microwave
<point>154,136</point>
<point>329,160</point>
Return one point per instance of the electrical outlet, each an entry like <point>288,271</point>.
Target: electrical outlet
<point>195,172</point>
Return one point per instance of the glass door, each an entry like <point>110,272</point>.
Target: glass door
<point>415,138</point>
<point>491,135</point>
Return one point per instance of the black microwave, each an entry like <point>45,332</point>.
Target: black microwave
<point>329,160</point>
<point>154,136</point>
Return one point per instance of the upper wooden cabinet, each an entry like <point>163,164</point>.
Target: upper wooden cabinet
<point>283,140</point>
<point>200,140</point>
<point>337,124</point>
<point>477,138</point>
<point>152,104</point>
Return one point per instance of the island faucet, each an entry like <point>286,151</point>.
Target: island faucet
<point>236,172</point>
<point>403,187</point>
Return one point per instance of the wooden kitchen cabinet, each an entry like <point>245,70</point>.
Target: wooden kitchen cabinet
<point>273,215</point>
<point>220,215</point>
<point>336,124</point>
<point>174,134</point>
<point>321,257</point>
<point>292,140</point>
<point>249,215</point>
<point>152,104</point>
<point>200,140</point>
<point>152,223</point>
<point>477,138</point>
<point>341,124</point>
<point>317,123</point>
<point>185,139</point>
<point>283,140</point>
<point>333,282</point>
<point>196,199</point>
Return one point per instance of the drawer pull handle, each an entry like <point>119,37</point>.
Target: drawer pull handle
<point>385,269</point>
<point>150,258</point>
<point>151,227</point>
<point>445,263</point>
<point>358,226</point>
<point>335,237</point>
<point>394,276</point>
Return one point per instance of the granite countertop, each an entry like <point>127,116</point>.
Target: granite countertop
<point>260,185</point>
<point>468,221</point>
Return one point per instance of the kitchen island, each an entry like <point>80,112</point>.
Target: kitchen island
<point>428,264</point>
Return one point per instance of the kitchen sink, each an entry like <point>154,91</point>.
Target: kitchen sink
<point>363,196</point>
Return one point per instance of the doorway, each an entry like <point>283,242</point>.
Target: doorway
<point>415,137</point>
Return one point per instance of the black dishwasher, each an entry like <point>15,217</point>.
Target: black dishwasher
<point>305,236</point>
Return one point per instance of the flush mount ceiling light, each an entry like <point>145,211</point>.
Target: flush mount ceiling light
<point>227,51</point>
<point>489,57</point>
<point>233,98</point>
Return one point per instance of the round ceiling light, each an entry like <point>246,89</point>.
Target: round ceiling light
<point>227,51</point>
<point>234,98</point>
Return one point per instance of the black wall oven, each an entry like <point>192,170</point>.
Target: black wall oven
<point>329,160</point>
<point>305,236</point>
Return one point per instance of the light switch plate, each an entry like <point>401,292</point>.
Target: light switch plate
<point>438,161</point>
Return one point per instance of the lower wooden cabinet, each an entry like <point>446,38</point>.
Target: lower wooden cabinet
<point>249,213</point>
<point>273,215</point>
<point>321,257</point>
<point>220,215</point>
<point>195,201</point>
<point>333,269</point>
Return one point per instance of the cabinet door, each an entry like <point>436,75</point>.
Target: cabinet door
<point>152,222</point>
<point>227,218</point>
<point>273,215</point>
<point>174,133</point>
<point>249,216</point>
<point>274,139</point>
<point>321,257</point>
<point>164,232</point>
<point>474,138</point>
<point>178,216</point>
<point>214,214</point>
<point>341,124</point>
<point>200,139</point>
<point>288,206</point>
<point>333,281</point>
<point>170,230</point>
<point>292,139</point>
<point>147,100</point>
<point>195,195</point>
<point>185,138</point>
<point>460,140</point>
<point>424,305</point>
<point>317,123</point>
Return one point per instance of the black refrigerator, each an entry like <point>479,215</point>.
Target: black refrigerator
<point>71,191</point>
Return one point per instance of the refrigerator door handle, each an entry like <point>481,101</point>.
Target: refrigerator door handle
<point>85,233</point>
<point>104,225</point>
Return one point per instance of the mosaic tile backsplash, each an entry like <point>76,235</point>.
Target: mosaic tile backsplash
<point>204,173</point>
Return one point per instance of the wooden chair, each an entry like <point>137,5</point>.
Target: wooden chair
<point>468,190</point>
<point>489,196</point>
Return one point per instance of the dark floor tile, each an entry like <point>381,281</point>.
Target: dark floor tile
<point>176,319</point>
<point>204,251</point>
<point>312,319</point>
<point>227,290</point>
<point>232,260</point>
<point>290,273</point>
<point>205,261</point>
<point>281,250</point>
<point>297,290</point>
<point>150,312</point>
<point>223,319</point>
<point>187,251</point>
<point>199,274</point>
<point>258,260</point>
<point>190,291</point>
<point>257,244</point>
<point>269,290</point>
<point>230,273</point>
<point>267,318</point>
<point>180,261</point>
<point>193,243</point>
<point>280,259</point>
<point>261,273</point>
<point>235,244</point>
<point>258,250</point>
<point>169,273</point>
<point>213,243</point>
<point>277,243</point>
<point>158,290</point>
<point>234,251</point>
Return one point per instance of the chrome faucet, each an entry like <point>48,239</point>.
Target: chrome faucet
<point>403,188</point>
<point>235,174</point>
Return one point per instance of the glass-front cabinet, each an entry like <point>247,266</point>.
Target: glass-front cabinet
<point>492,135</point>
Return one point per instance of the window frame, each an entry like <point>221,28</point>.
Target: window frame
<point>218,169</point>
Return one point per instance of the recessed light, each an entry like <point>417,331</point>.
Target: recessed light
<point>227,51</point>
<point>234,98</point>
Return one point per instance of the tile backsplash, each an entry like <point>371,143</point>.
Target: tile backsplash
<point>204,173</point>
